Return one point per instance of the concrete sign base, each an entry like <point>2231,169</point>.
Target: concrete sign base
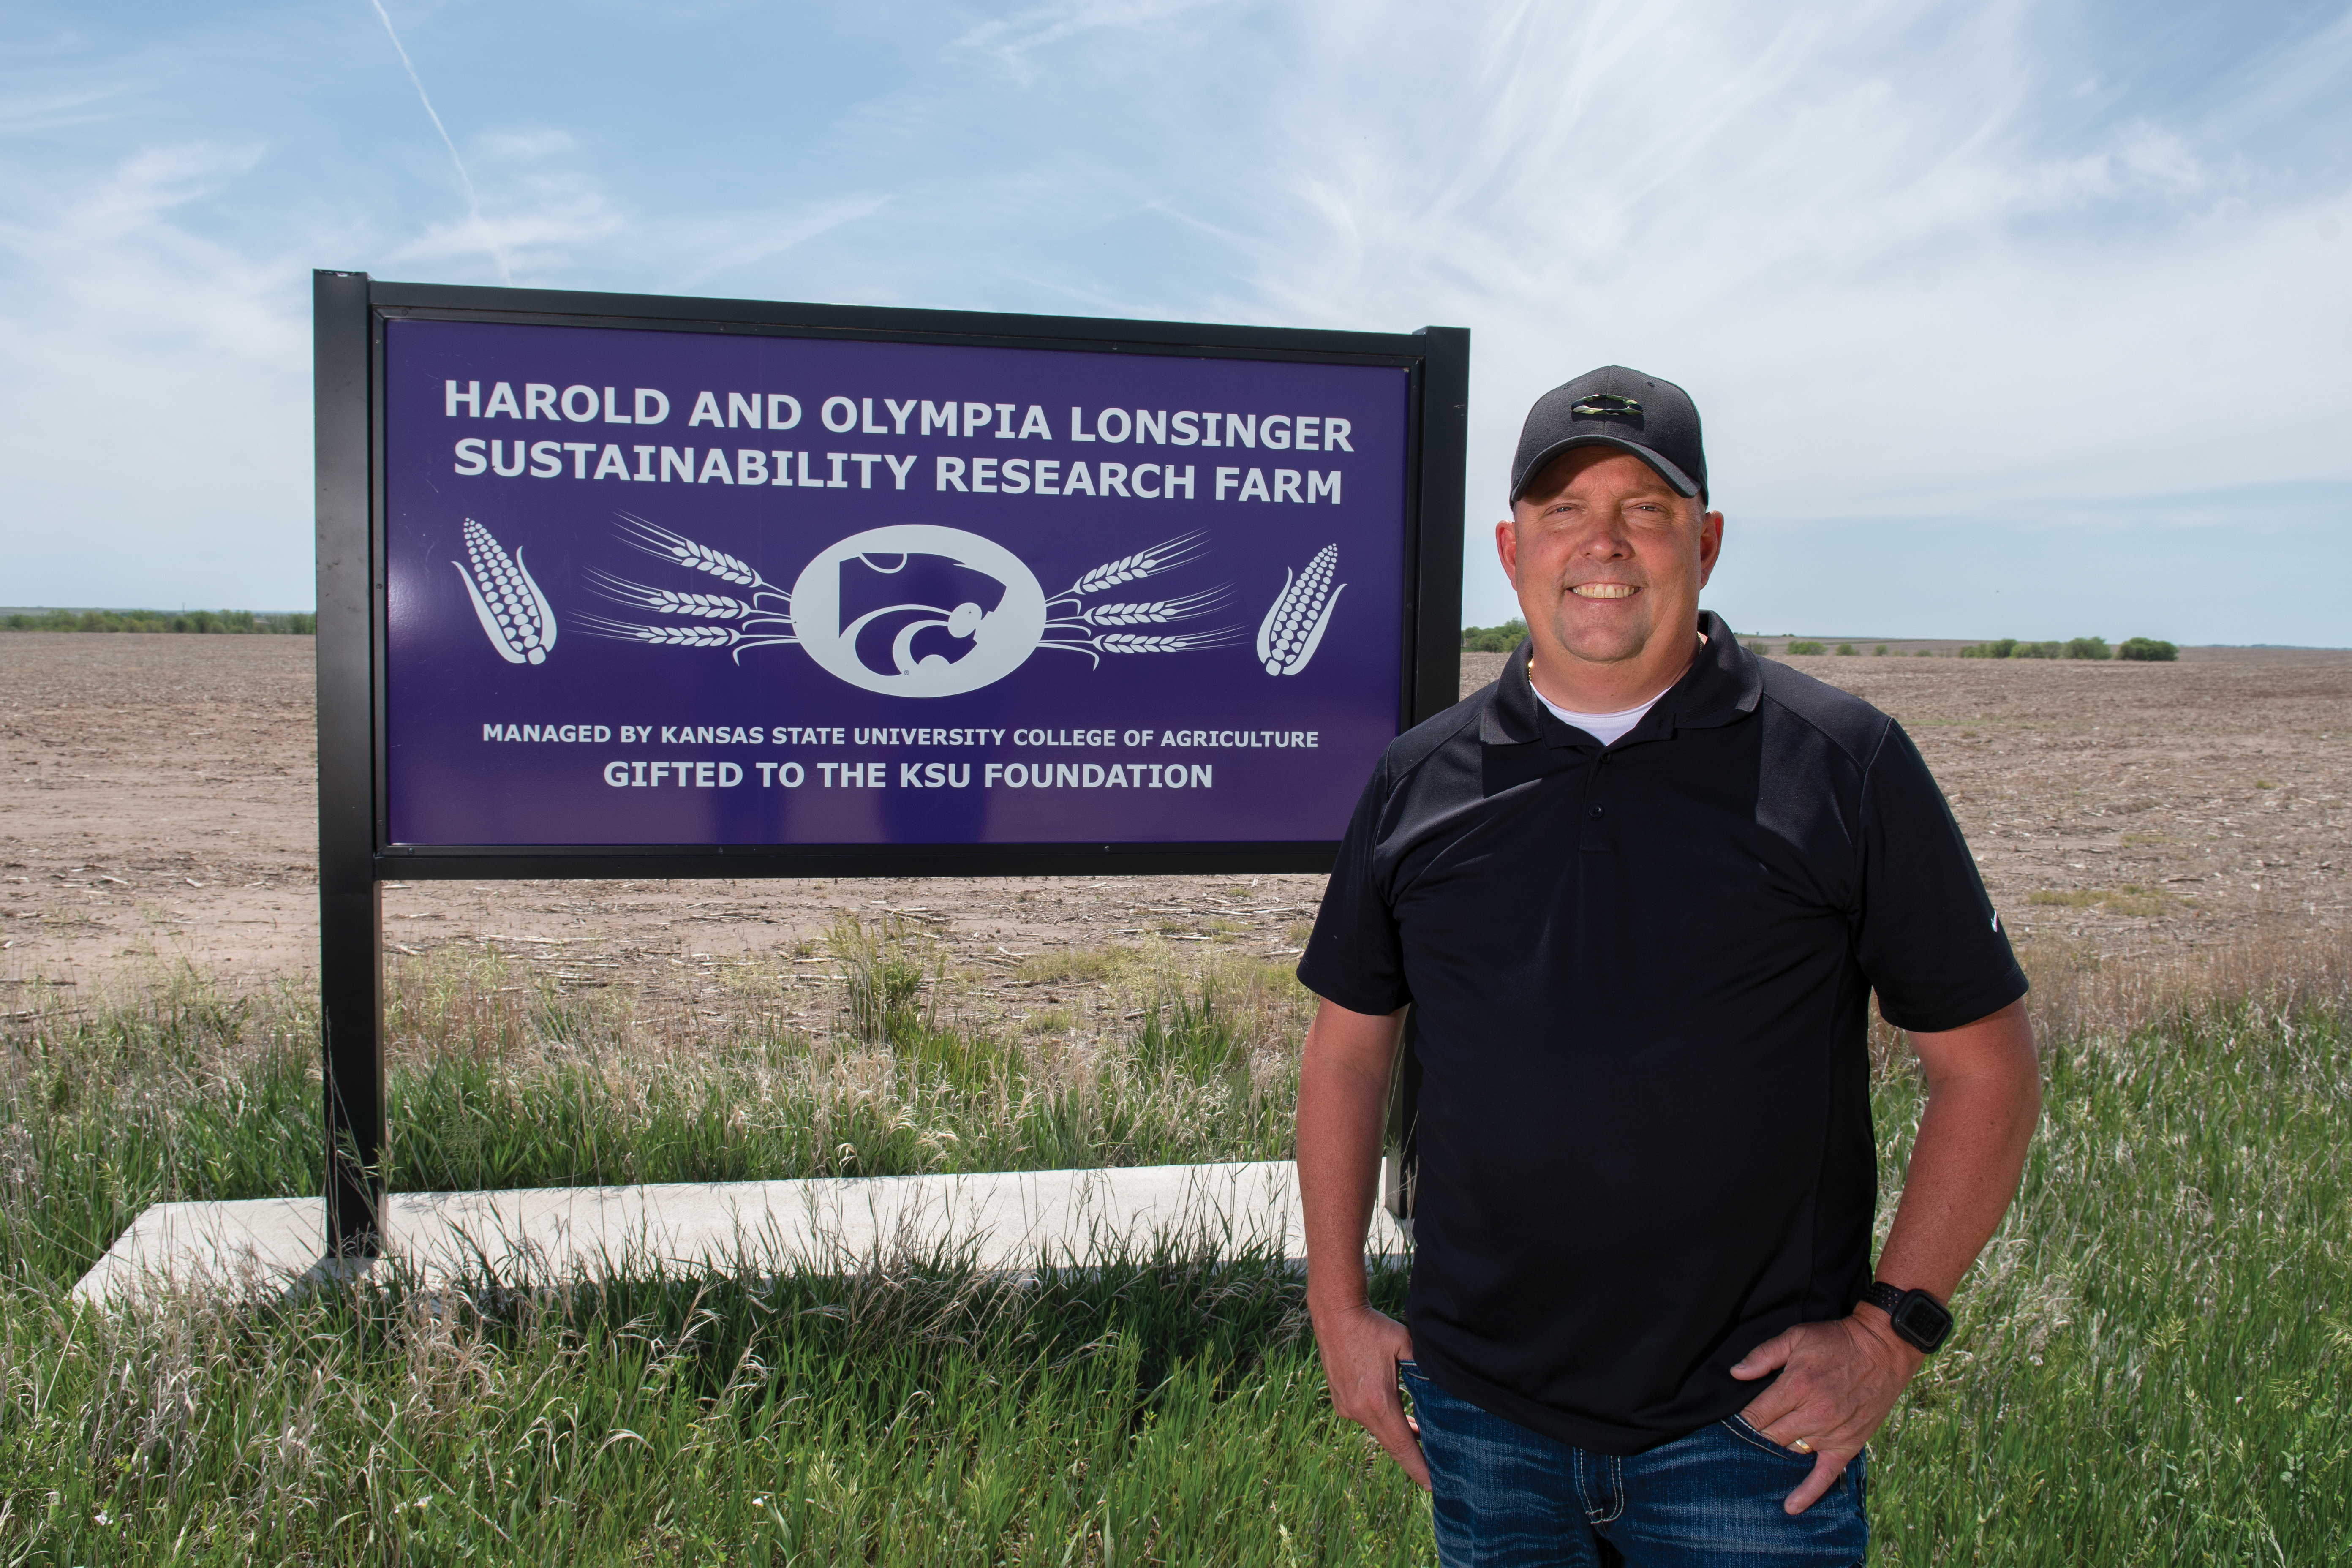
<point>1003,1221</point>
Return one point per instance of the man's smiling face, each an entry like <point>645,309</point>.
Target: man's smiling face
<point>1608,562</point>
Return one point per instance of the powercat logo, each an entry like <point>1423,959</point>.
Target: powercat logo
<point>918,610</point>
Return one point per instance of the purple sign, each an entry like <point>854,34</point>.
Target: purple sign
<point>657,587</point>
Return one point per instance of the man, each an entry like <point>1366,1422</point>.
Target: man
<point>1637,894</point>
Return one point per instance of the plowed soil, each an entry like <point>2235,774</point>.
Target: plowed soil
<point>157,804</point>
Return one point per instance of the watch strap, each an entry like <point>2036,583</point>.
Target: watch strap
<point>1883,1296</point>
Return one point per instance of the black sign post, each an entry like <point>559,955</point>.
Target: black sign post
<point>368,808</point>
<point>351,897</point>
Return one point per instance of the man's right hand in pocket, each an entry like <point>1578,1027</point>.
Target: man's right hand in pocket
<point>1362,1347</point>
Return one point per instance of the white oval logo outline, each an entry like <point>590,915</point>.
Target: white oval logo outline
<point>1003,639</point>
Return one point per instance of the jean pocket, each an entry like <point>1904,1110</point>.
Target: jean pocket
<point>1410,1368</point>
<point>1739,1428</point>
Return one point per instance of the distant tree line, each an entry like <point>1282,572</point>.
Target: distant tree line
<point>301,622</point>
<point>2143,649</point>
<point>1508,636</point>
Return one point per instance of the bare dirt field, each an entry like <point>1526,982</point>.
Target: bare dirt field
<point>157,805</point>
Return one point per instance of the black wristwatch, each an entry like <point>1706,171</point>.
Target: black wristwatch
<point>1919,1317</point>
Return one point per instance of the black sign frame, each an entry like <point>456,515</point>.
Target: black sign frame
<point>356,857</point>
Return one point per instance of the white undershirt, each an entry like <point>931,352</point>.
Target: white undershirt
<point>1603,727</point>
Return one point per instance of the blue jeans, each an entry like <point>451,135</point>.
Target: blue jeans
<point>1510,1497</point>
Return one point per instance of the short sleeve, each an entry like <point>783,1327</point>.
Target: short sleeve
<point>1354,958</point>
<point>1930,940</point>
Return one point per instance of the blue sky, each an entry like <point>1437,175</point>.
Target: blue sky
<point>2005,318</point>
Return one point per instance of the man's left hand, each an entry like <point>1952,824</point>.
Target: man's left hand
<point>1838,1381</point>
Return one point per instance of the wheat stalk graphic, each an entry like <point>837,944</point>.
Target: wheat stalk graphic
<point>668,636</point>
<point>670,601</point>
<point>655,540</point>
<point>513,612</point>
<point>1163,557</point>
<point>1183,642</point>
<point>1078,626</point>
<point>1157,612</point>
<point>1294,627</point>
<point>763,620</point>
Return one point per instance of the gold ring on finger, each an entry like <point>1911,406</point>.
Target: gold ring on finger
<point>1801,1446</point>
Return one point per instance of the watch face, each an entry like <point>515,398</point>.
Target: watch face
<point>1920,1321</point>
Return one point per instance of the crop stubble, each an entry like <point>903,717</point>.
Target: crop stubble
<point>158,802</point>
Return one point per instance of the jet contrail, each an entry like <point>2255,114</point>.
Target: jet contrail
<point>473,202</point>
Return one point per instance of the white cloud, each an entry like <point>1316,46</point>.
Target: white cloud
<point>695,251</point>
<point>53,108</point>
<point>1014,40</point>
<point>545,208</point>
<point>537,214</point>
<point>153,384</point>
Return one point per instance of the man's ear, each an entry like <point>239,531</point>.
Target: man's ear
<point>1710,545</point>
<point>1507,549</point>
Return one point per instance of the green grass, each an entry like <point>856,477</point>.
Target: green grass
<point>2153,1363</point>
<point>1163,1409</point>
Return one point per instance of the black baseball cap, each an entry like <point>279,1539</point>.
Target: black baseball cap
<point>1613,407</point>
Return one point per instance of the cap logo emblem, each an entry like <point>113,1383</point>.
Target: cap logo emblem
<point>1607,405</point>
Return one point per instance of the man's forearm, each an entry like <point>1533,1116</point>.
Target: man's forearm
<point>1343,1091</point>
<point>1984,1098</point>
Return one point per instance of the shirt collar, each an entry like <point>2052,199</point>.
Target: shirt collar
<point>1722,686</point>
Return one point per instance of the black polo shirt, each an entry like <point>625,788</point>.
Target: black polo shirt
<point>1638,977</point>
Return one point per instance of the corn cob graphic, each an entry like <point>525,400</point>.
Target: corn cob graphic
<point>513,612</point>
<point>1294,627</point>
